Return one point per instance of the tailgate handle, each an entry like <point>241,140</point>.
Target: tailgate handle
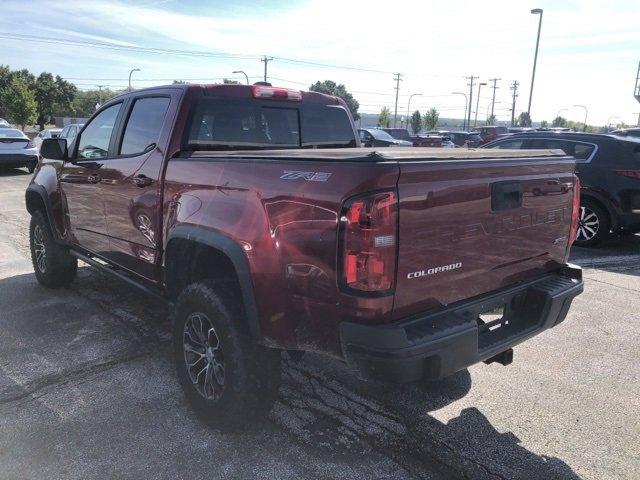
<point>506,195</point>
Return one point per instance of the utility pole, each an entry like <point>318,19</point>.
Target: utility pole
<point>397,78</point>
<point>493,100</point>
<point>514,87</point>
<point>475,118</point>
<point>266,60</point>
<point>100,87</point>
<point>471,79</point>
<point>638,123</point>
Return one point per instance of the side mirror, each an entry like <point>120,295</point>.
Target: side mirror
<point>54,149</point>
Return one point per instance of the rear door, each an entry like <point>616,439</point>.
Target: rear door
<point>130,182</point>
<point>468,227</point>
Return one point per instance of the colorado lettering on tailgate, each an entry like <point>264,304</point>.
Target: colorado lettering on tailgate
<point>434,270</point>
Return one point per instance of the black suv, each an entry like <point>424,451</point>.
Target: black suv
<point>609,169</point>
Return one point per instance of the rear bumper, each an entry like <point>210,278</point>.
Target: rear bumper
<point>438,344</point>
<point>18,159</point>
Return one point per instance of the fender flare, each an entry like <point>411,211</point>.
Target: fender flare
<point>236,255</point>
<point>39,190</point>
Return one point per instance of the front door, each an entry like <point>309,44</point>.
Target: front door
<point>80,179</point>
<point>131,186</point>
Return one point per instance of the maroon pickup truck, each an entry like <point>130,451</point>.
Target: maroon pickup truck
<point>251,210</point>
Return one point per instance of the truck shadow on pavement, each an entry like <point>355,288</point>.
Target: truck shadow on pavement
<point>619,254</point>
<point>322,406</point>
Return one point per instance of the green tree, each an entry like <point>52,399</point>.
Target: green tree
<point>431,118</point>
<point>416,122</point>
<point>19,102</point>
<point>524,120</point>
<point>491,120</point>
<point>53,96</point>
<point>84,103</point>
<point>384,117</point>
<point>559,122</point>
<point>544,124</point>
<point>179,82</point>
<point>332,88</point>
<point>227,81</point>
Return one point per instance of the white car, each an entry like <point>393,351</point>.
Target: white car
<point>4,123</point>
<point>16,150</point>
<point>46,133</point>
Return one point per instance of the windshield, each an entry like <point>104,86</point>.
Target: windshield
<point>228,124</point>
<point>381,135</point>
<point>11,133</point>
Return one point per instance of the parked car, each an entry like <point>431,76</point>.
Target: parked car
<point>70,131</point>
<point>223,200</point>
<point>376,137</point>
<point>16,150</point>
<point>520,129</point>
<point>627,132</point>
<point>416,140</point>
<point>609,169</point>
<point>5,124</point>
<point>491,133</point>
<point>46,133</point>
<point>460,139</point>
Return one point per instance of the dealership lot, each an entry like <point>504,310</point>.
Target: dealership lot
<point>87,390</point>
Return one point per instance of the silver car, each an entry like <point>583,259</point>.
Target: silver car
<point>46,133</point>
<point>16,150</point>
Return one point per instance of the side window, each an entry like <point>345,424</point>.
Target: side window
<point>582,151</point>
<point>64,132</point>
<point>144,124</point>
<point>515,144</point>
<point>543,143</point>
<point>94,141</point>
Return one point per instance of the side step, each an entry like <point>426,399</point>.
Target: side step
<point>503,358</point>
<point>119,274</point>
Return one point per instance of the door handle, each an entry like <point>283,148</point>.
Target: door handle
<point>94,178</point>
<point>142,181</point>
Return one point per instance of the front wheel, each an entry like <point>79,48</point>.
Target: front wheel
<point>227,378</point>
<point>54,266</point>
<point>593,224</point>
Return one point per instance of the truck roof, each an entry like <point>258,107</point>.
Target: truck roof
<point>374,154</point>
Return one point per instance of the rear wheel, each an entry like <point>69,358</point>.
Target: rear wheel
<point>52,263</point>
<point>227,378</point>
<point>593,224</point>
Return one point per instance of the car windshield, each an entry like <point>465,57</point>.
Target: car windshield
<point>234,124</point>
<point>380,135</point>
<point>11,133</point>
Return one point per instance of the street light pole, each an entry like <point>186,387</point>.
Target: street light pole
<point>466,101</point>
<point>130,73</point>
<point>535,11</point>
<point>609,121</point>
<point>560,111</point>
<point>245,75</point>
<point>475,119</point>
<point>586,112</point>
<point>409,103</point>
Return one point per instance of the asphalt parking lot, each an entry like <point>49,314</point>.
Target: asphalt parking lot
<point>87,390</point>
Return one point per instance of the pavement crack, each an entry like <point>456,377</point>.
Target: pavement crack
<point>29,389</point>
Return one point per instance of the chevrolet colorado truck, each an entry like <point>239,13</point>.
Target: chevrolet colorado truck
<point>254,211</point>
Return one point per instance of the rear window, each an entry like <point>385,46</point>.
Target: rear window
<point>225,124</point>
<point>11,133</point>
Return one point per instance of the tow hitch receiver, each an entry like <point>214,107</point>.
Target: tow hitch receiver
<point>503,358</point>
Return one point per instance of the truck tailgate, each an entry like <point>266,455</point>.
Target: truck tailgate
<point>468,227</point>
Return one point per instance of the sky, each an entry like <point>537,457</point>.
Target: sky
<point>589,50</point>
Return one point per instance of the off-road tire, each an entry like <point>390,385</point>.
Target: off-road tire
<point>54,266</point>
<point>251,373</point>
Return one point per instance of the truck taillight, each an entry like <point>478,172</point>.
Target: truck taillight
<point>273,93</point>
<point>575,212</point>
<point>369,234</point>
